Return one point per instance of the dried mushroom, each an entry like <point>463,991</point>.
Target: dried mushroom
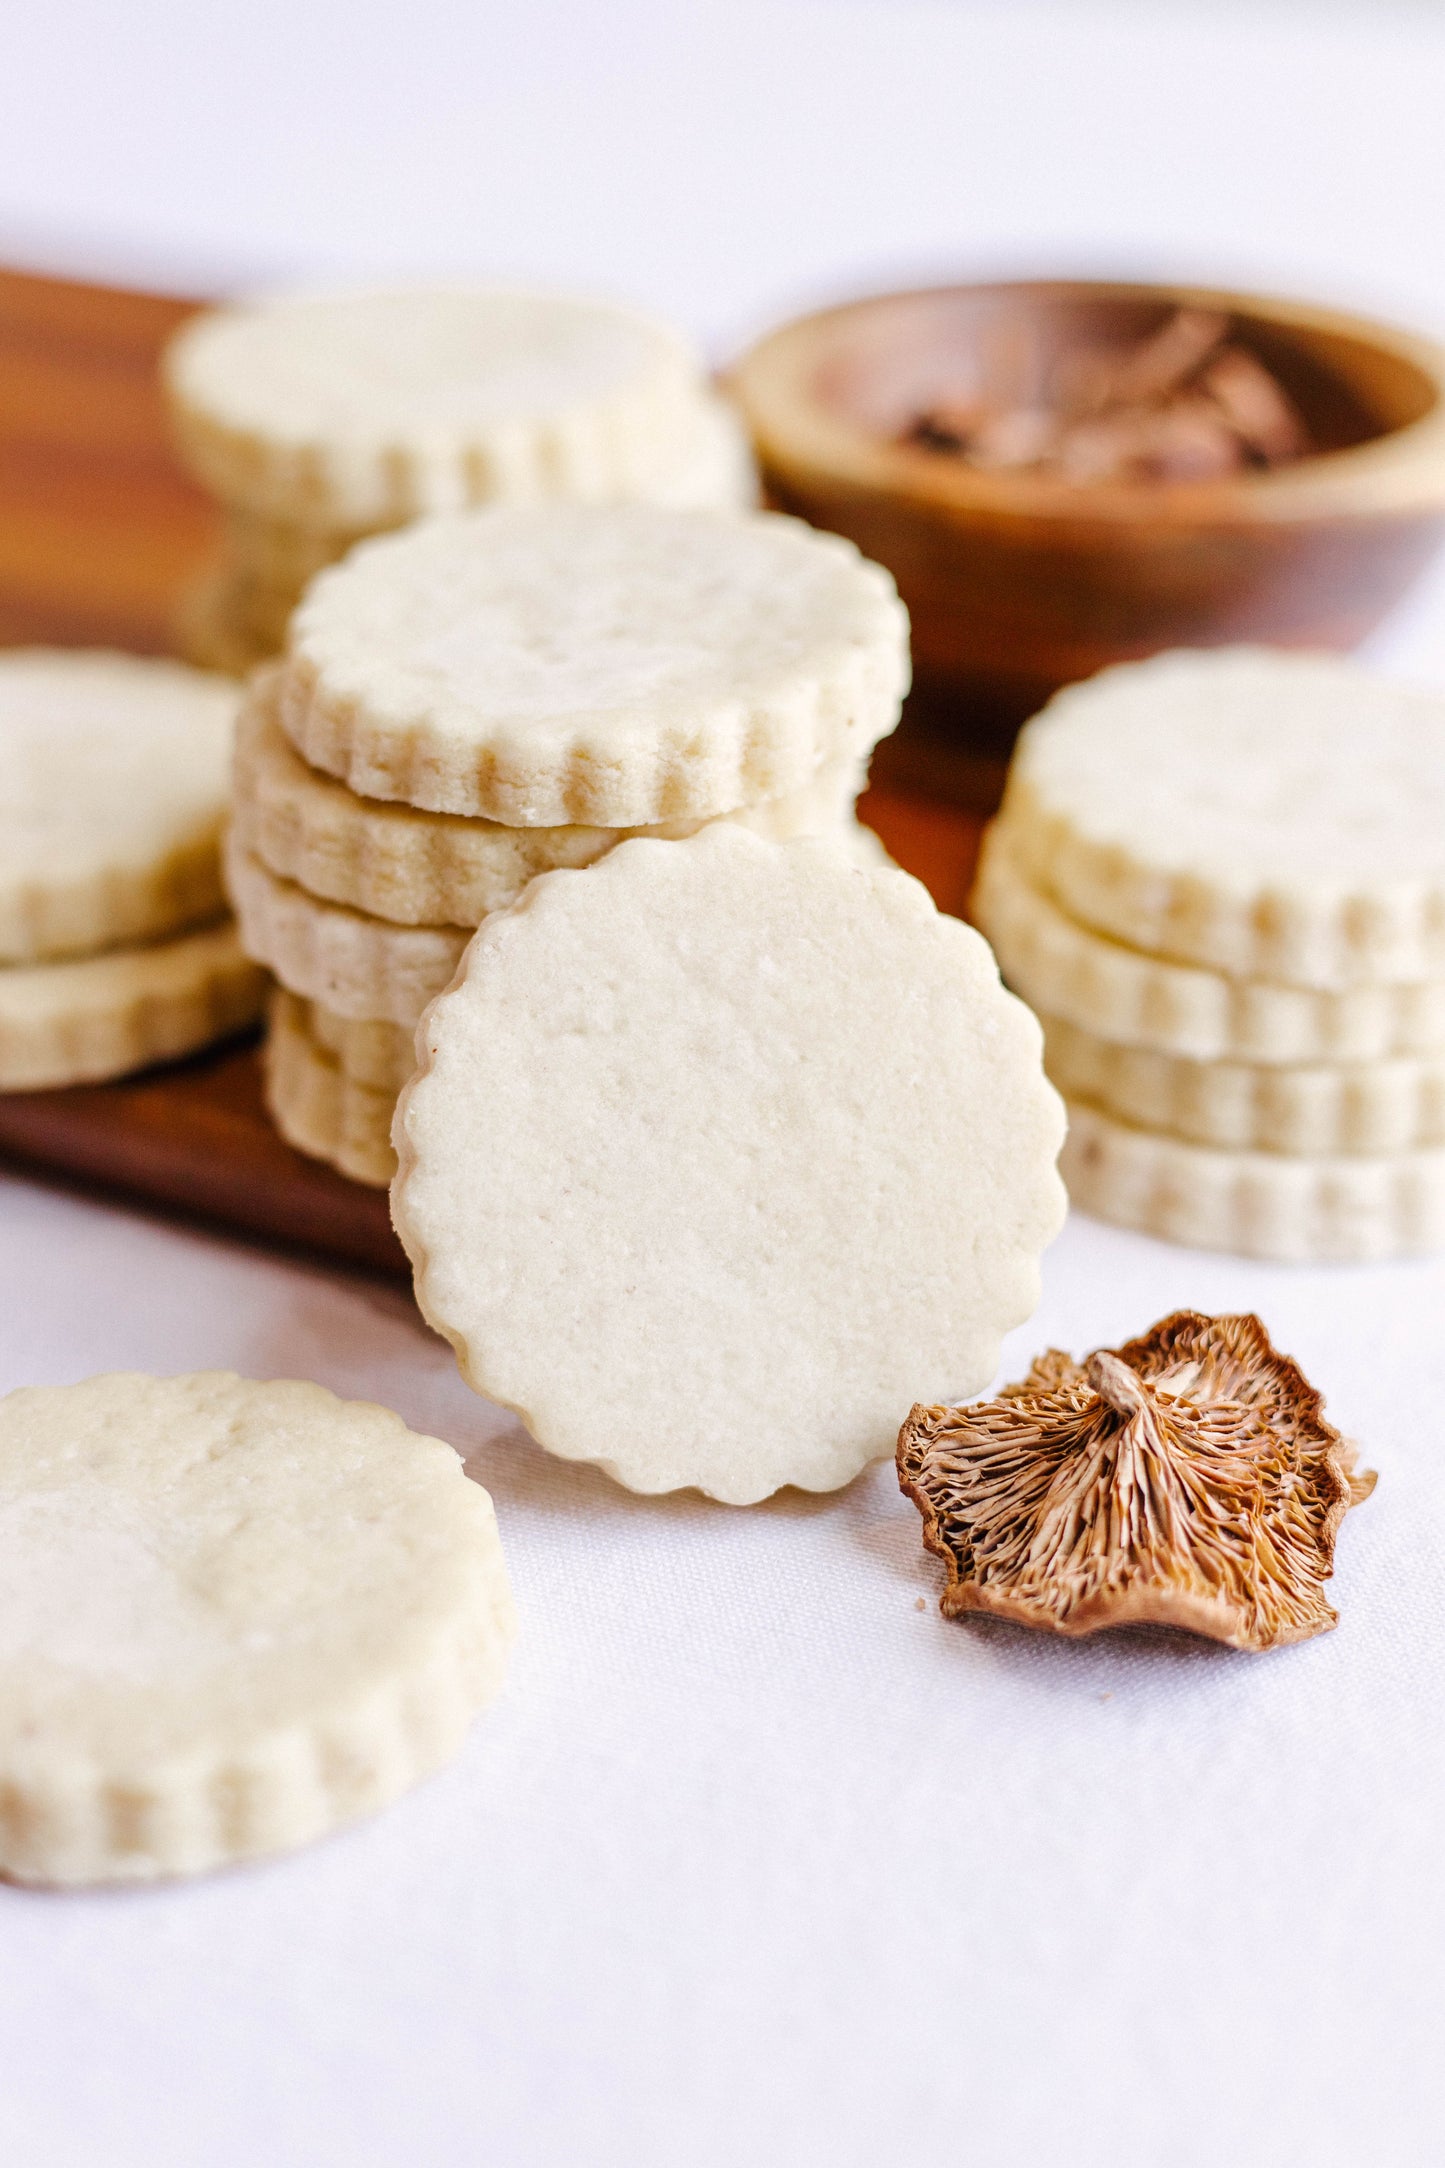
<point>1186,1479</point>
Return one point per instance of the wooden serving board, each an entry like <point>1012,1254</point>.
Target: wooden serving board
<point>99,534</point>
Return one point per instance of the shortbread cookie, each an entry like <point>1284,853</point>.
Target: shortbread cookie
<point>356,965</point>
<point>363,410</point>
<point>1272,816</point>
<point>570,665</point>
<point>1258,1204</point>
<point>112,791</point>
<point>102,1016</point>
<point>1062,969</point>
<point>1318,1110</point>
<point>233,1618</point>
<point>722,1153</point>
<point>429,869</point>
<point>318,1107</point>
<point>379,1055</point>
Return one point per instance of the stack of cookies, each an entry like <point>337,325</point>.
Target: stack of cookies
<point>319,420</point>
<point>485,697</point>
<point>116,948</point>
<point>1220,881</point>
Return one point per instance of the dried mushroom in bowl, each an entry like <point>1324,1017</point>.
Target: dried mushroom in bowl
<point>1187,1479</point>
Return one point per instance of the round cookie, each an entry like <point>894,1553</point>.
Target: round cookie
<point>1256,1204</point>
<point>1314,1110</point>
<point>429,869</point>
<point>113,786</point>
<point>1063,969</point>
<point>319,1107</point>
<point>619,667</point>
<point>233,1618</point>
<point>1272,816</point>
<point>356,965</point>
<point>364,410</point>
<point>102,1016</point>
<point>723,1153</point>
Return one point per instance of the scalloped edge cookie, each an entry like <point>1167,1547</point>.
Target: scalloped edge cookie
<point>1329,1110</point>
<point>439,869</point>
<point>109,890</point>
<point>720,1153</point>
<point>1121,870</point>
<point>93,1017</point>
<point>1062,969</point>
<point>1254,1204</point>
<point>395,654</point>
<point>318,1106</point>
<point>368,409</point>
<point>356,1616</point>
<point>354,964</point>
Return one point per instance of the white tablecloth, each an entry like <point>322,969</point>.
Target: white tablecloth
<point>756,1860</point>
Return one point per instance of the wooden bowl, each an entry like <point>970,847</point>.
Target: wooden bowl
<point>1018,583</point>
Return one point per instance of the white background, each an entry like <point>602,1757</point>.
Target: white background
<point>755,1861</point>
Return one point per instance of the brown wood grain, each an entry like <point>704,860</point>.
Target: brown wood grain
<point>99,529</point>
<point>100,533</point>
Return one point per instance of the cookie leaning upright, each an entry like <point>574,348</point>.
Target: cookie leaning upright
<point>720,1151</point>
<point>623,667</point>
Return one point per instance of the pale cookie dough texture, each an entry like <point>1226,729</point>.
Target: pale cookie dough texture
<point>364,410</point>
<point>1063,969</point>
<point>619,668</point>
<point>380,1055</point>
<point>723,1153</point>
<point>356,965</point>
<point>712,469</point>
<point>1256,1204</point>
<point>321,1108</point>
<point>715,470</point>
<point>233,1617</point>
<point>113,786</point>
<point>1314,1110</point>
<point>1272,816</point>
<point>418,868</point>
<point>92,1017</point>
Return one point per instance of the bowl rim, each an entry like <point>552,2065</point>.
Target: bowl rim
<point>1398,472</point>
